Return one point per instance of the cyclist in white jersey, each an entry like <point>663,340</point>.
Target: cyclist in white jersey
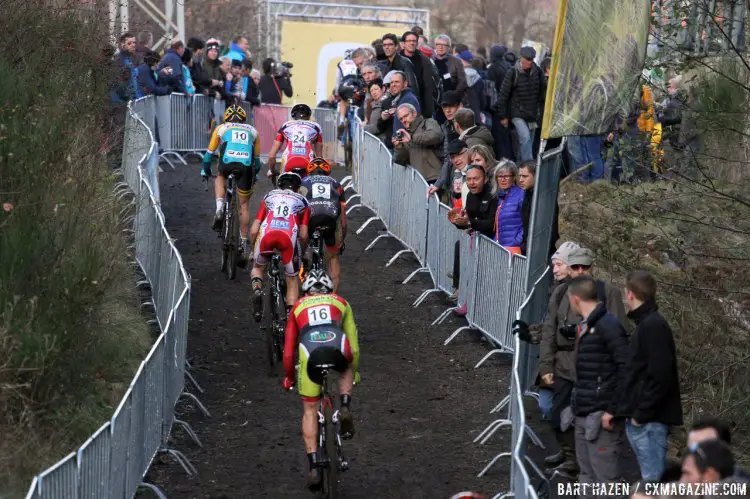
<point>301,139</point>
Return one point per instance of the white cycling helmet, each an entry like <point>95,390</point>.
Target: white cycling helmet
<point>289,180</point>
<point>317,281</point>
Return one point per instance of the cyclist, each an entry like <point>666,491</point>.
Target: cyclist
<point>302,140</point>
<point>283,216</point>
<point>327,211</point>
<point>238,146</point>
<point>322,324</point>
<point>349,81</point>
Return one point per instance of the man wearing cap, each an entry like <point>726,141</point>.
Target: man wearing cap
<point>474,96</point>
<point>521,100</point>
<point>450,104</point>
<point>450,71</point>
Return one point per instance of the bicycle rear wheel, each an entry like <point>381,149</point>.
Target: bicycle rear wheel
<point>234,240</point>
<point>268,326</point>
<point>280,322</point>
<point>331,472</point>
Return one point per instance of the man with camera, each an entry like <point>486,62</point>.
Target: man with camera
<point>275,82</point>
<point>420,143</point>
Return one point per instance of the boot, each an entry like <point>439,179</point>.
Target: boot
<point>555,459</point>
<point>569,464</point>
<point>347,422</point>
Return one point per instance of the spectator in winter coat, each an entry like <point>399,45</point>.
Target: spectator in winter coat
<point>474,96</point>
<point>200,77</point>
<point>601,375</point>
<point>143,47</point>
<point>508,221</point>
<point>482,155</point>
<point>521,100</point>
<point>239,49</point>
<point>212,66</point>
<point>425,71</point>
<point>377,94</point>
<point>420,143</point>
<point>450,71</point>
<point>450,104</point>
<point>272,86</point>
<point>249,86</point>
<point>499,67</point>
<point>469,131</point>
<point>481,205</point>
<point>124,84</point>
<point>173,59</point>
<point>652,394</point>
<point>397,62</point>
<point>187,67</point>
<point>527,181</point>
<point>148,80</point>
<point>398,93</point>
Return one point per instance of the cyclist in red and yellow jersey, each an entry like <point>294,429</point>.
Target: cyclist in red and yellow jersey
<point>321,330</point>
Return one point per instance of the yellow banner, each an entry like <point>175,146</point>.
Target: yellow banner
<point>316,48</point>
<point>597,59</point>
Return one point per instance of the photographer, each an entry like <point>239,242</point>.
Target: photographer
<point>419,143</point>
<point>275,82</point>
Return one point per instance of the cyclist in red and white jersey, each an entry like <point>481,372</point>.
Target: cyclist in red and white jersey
<point>282,219</point>
<point>301,139</point>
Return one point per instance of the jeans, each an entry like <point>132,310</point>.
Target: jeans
<point>545,401</point>
<point>649,443</point>
<point>585,149</point>
<point>525,139</point>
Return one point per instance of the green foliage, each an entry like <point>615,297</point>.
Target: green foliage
<point>70,327</point>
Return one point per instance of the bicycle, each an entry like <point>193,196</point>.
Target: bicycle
<point>230,231</point>
<point>274,312</point>
<point>329,440</point>
<point>318,261</point>
<point>347,134</point>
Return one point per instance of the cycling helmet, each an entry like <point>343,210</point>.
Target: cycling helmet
<point>289,180</point>
<point>467,495</point>
<point>235,114</point>
<point>301,112</point>
<point>317,281</point>
<point>319,165</point>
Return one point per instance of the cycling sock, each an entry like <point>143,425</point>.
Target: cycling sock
<point>219,205</point>
<point>346,400</point>
<point>312,459</point>
<point>243,243</point>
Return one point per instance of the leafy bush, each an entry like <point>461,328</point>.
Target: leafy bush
<point>70,328</point>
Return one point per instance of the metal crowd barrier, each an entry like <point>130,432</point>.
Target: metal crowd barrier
<point>114,460</point>
<point>494,298</point>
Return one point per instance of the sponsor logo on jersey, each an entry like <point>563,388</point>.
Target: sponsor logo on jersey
<point>322,336</point>
<point>238,154</point>
<point>299,151</point>
<point>279,224</point>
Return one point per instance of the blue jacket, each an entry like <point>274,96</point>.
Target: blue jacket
<point>406,97</point>
<point>235,53</point>
<point>147,83</point>
<point>124,86</point>
<point>509,223</point>
<point>175,81</point>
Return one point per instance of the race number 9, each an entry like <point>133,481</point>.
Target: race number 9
<point>240,137</point>
<point>318,315</point>
<point>321,191</point>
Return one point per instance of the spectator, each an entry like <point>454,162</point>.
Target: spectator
<point>420,143</point>
<point>249,86</point>
<point>450,70</point>
<point>450,104</point>
<point>397,62</point>
<point>469,131</point>
<point>585,150</point>
<point>173,59</point>
<point>581,262</point>
<point>709,461</point>
<point>187,67</point>
<point>482,155</point>
<point>239,49</point>
<point>479,214</point>
<point>201,78</point>
<point>255,76</point>
<point>652,394</point>
<point>499,67</point>
<point>600,377</point>
<point>398,93</point>
<point>527,181</point>
<point>124,83</point>
<point>521,100</point>
<point>148,79</point>
<point>212,65</point>
<point>474,96</point>
<point>426,74</point>
<point>370,72</point>
<point>459,156</point>
<point>197,46</point>
<point>143,47</point>
<point>273,86</point>
<point>482,51</point>
<point>710,428</point>
<point>508,221</point>
<point>377,96</point>
<point>234,85</point>
<point>671,117</point>
<point>460,47</point>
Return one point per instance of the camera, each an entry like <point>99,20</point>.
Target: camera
<point>569,331</point>
<point>400,134</point>
<point>282,68</point>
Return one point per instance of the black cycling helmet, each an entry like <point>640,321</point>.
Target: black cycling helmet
<point>301,112</point>
<point>289,180</point>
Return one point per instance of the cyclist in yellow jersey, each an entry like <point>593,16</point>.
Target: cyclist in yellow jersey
<point>238,146</point>
<point>323,323</point>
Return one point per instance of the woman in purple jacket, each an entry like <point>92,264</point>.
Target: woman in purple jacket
<point>508,220</point>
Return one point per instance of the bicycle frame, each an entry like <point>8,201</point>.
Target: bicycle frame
<point>327,415</point>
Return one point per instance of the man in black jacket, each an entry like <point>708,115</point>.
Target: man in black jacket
<point>521,101</point>
<point>425,71</point>
<point>527,182</point>
<point>652,394</point>
<point>499,67</point>
<point>397,62</point>
<point>601,375</point>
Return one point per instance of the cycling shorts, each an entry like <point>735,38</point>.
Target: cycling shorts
<point>290,162</point>
<point>331,229</point>
<point>244,176</point>
<point>320,345</point>
<point>270,241</point>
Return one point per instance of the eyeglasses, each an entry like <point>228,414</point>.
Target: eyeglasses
<point>441,44</point>
<point>389,45</point>
<point>504,176</point>
<point>696,449</point>
<point>410,40</point>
